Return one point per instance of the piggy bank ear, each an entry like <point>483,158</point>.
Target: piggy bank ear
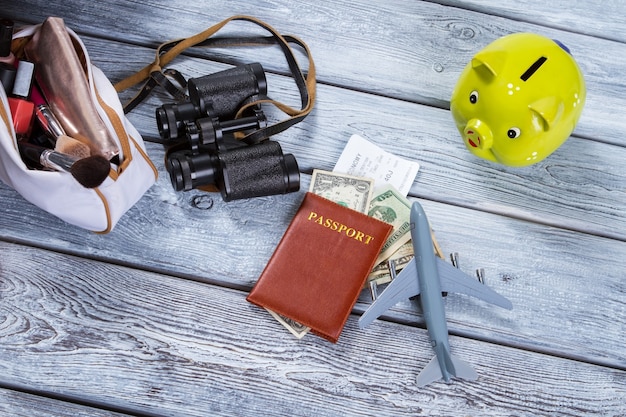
<point>548,110</point>
<point>489,63</point>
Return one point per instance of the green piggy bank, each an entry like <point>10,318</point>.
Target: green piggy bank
<point>518,99</point>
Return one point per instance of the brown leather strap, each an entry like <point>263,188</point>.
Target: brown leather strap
<point>153,74</point>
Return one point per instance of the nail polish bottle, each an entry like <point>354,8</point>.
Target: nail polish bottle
<point>22,110</point>
<point>6,36</point>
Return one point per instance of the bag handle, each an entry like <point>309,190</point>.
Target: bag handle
<point>154,75</point>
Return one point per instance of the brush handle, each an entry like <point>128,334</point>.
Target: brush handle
<point>48,121</point>
<point>45,157</point>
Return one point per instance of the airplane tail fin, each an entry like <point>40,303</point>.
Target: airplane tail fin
<point>430,373</point>
<point>463,369</point>
<point>452,365</point>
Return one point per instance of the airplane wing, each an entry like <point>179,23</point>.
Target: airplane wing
<point>405,285</point>
<point>454,280</point>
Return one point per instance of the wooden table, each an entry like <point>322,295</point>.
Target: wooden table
<point>151,319</point>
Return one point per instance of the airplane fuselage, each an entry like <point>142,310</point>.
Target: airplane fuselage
<point>431,299</point>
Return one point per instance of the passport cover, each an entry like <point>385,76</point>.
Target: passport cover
<point>320,265</point>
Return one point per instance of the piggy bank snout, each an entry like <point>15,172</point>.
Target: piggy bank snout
<point>478,135</point>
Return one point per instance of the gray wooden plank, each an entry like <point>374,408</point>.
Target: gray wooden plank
<point>424,45</point>
<point>19,404</point>
<point>544,271</point>
<point>605,20</point>
<point>163,345</point>
<point>87,321</point>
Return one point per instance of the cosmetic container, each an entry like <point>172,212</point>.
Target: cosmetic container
<point>22,110</point>
<point>6,36</point>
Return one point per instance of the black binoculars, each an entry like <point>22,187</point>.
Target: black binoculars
<point>212,155</point>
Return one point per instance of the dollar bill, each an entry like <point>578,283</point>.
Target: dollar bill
<point>391,207</point>
<point>347,190</point>
<point>437,248</point>
<point>381,274</point>
<point>295,328</point>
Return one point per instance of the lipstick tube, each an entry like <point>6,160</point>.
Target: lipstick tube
<point>7,69</point>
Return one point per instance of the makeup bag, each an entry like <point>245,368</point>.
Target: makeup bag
<point>131,173</point>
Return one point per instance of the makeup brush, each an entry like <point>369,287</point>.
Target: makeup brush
<point>90,172</point>
<point>71,146</point>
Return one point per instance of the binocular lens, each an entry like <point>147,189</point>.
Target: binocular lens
<point>190,171</point>
<point>171,118</point>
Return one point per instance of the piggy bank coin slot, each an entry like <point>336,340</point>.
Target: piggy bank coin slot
<point>533,68</point>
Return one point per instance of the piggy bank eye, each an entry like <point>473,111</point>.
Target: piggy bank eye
<point>514,133</point>
<point>473,97</point>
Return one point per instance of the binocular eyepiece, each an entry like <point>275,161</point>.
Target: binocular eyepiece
<point>212,156</point>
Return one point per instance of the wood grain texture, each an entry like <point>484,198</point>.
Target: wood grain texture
<point>135,339</point>
<point>19,404</point>
<point>151,319</point>
<point>605,22</point>
<point>198,236</point>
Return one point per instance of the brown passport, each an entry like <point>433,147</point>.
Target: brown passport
<point>320,265</point>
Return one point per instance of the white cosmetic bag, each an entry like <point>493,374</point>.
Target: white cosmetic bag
<point>96,209</point>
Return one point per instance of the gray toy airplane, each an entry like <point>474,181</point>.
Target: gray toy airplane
<point>429,276</point>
